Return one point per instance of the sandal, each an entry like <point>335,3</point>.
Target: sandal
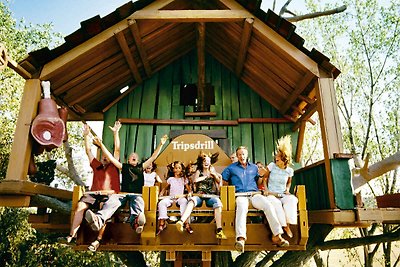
<point>94,245</point>
<point>179,226</point>
<point>288,231</point>
<point>279,241</point>
<point>161,227</point>
<point>66,240</point>
<point>188,228</point>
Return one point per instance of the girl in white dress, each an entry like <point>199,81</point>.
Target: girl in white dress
<point>176,184</point>
<point>150,176</point>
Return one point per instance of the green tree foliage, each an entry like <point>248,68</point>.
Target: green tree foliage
<point>20,245</point>
<point>18,39</point>
<point>364,44</point>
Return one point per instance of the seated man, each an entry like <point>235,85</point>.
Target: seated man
<point>244,176</point>
<point>132,182</point>
<point>105,178</point>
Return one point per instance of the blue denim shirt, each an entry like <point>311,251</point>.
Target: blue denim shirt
<point>244,179</point>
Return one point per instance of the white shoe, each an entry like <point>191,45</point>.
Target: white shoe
<point>239,246</point>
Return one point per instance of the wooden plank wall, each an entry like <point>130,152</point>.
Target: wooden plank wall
<point>158,98</point>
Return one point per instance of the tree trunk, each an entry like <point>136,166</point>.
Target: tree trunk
<point>266,259</point>
<point>132,258</point>
<point>72,172</point>
<point>317,234</point>
<point>366,173</point>
<point>52,203</point>
<point>222,258</point>
<point>245,259</point>
<point>318,260</point>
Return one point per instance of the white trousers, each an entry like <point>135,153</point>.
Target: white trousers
<point>285,208</point>
<point>167,202</point>
<point>259,202</point>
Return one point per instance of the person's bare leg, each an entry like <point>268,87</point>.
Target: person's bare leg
<point>218,217</point>
<point>188,211</point>
<point>78,217</point>
<point>96,244</point>
<point>185,216</point>
<point>218,221</point>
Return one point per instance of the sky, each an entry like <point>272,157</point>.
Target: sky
<point>66,15</point>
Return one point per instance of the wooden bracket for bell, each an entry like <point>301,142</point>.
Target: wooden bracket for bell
<point>48,129</point>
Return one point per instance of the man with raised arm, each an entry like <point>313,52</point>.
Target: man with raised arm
<point>132,182</point>
<point>244,176</point>
<point>105,178</point>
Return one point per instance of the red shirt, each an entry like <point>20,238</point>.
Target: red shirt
<point>104,177</point>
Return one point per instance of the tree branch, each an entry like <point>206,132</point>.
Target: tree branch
<point>72,173</point>
<point>317,14</point>
<point>359,241</point>
<point>52,203</point>
<point>366,173</point>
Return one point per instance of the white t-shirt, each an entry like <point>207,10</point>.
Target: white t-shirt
<point>149,178</point>
<point>278,178</point>
<point>177,185</point>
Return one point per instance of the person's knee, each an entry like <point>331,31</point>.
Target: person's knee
<point>81,206</point>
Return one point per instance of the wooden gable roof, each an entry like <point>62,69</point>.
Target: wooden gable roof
<point>138,39</point>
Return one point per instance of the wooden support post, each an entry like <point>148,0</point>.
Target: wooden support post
<point>330,128</point>
<point>303,217</point>
<point>201,65</point>
<point>206,258</point>
<point>139,44</point>
<point>300,141</point>
<point>150,197</point>
<point>22,145</point>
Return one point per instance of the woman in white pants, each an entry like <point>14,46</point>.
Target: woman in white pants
<point>277,182</point>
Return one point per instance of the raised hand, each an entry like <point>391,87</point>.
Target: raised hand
<point>86,130</point>
<point>164,139</point>
<point>117,126</point>
<point>97,141</point>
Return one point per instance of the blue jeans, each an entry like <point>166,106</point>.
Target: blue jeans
<point>115,201</point>
<point>213,202</point>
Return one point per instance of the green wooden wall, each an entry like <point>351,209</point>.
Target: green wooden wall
<point>158,98</point>
<point>314,179</point>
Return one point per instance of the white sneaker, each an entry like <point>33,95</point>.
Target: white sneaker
<point>140,222</point>
<point>239,246</point>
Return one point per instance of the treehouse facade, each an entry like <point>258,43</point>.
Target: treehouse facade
<point>222,69</point>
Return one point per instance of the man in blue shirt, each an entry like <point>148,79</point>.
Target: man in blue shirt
<point>244,176</point>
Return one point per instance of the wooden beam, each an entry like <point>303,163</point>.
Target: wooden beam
<point>200,114</point>
<point>139,44</point>
<point>90,44</point>
<point>263,120</point>
<point>330,129</point>
<point>27,188</point>
<point>297,92</point>
<point>190,16</point>
<point>329,117</point>
<point>306,116</point>
<point>244,45</point>
<point>178,122</point>
<point>22,145</point>
<point>300,141</point>
<point>278,43</point>
<point>128,56</point>
<point>203,122</point>
<point>306,99</point>
<point>19,69</point>
<point>201,65</point>
<point>14,201</point>
<point>131,88</point>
